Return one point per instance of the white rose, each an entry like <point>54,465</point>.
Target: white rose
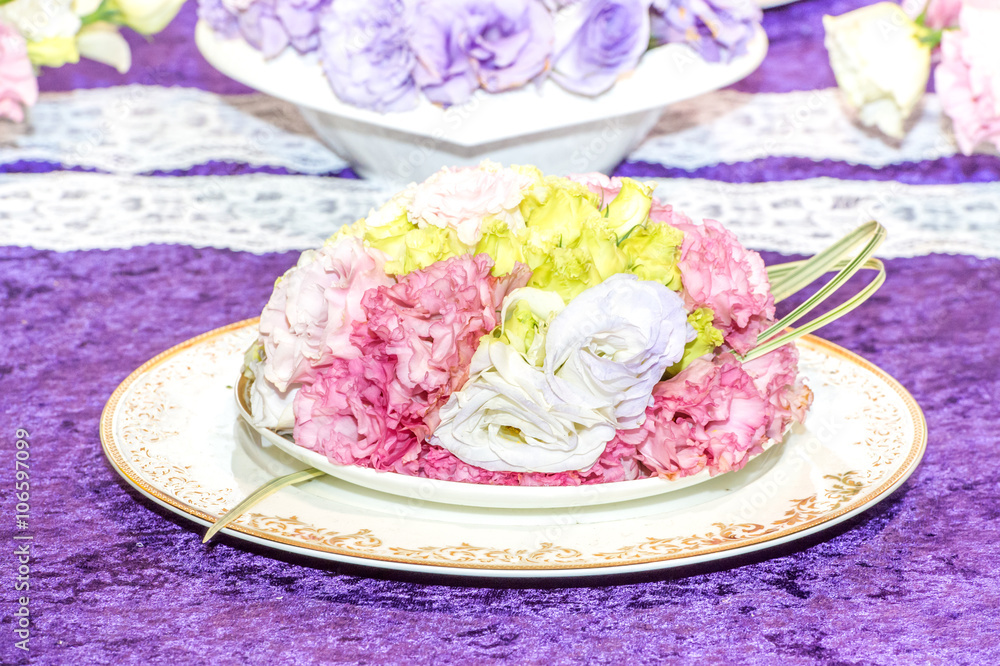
<point>880,63</point>
<point>101,41</point>
<point>38,20</point>
<point>148,16</point>
<point>507,418</point>
<point>614,341</point>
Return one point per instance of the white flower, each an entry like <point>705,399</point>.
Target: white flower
<point>602,355</point>
<point>270,407</point>
<point>42,19</point>
<point>614,341</point>
<point>507,418</point>
<point>148,16</point>
<point>880,63</point>
<point>101,41</point>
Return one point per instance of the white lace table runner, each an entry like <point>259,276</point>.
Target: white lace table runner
<point>139,129</point>
<point>268,213</point>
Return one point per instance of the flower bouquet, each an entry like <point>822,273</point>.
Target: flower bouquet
<point>52,33</point>
<point>882,60</point>
<point>385,54</point>
<point>401,88</point>
<point>497,326</point>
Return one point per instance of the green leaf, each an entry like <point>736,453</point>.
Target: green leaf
<point>259,495</point>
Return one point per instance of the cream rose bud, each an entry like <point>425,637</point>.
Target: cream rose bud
<point>507,418</point>
<point>614,341</point>
<point>880,63</point>
<point>147,16</point>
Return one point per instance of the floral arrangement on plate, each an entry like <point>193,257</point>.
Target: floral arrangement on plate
<point>52,33</point>
<point>498,326</point>
<point>384,54</point>
<point>882,56</point>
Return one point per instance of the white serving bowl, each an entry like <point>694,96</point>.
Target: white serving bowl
<point>544,125</point>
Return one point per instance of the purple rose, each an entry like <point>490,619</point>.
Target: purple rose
<point>718,30</point>
<point>218,17</point>
<point>301,18</point>
<point>597,41</point>
<point>262,28</point>
<point>366,54</point>
<point>461,45</point>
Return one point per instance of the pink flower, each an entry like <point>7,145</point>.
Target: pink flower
<point>719,273</point>
<point>968,78</point>
<point>416,339</point>
<point>942,13</point>
<point>461,198</point>
<point>717,414</point>
<point>600,184</point>
<point>18,87</point>
<point>348,415</point>
<point>308,320</point>
<point>609,188</point>
<point>775,375</point>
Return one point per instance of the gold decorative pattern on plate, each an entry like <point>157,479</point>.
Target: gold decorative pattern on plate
<point>151,421</point>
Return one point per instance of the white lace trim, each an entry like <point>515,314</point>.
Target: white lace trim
<point>266,213</point>
<point>139,129</point>
<point>726,127</point>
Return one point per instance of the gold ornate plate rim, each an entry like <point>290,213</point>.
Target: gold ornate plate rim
<point>730,546</point>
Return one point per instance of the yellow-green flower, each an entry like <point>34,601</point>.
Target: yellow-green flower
<point>53,51</point>
<point>599,240</point>
<point>526,317</point>
<point>708,338</point>
<point>501,244</point>
<point>391,238</point>
<point>653,251</point>
<point>567,272</point>
<point>630,207</point>
<point>423,247</point>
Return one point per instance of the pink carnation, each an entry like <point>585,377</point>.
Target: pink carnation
<point>719,273</point>
<point>968,78</point>
<point>717,414</point>
<point>617,463</point>
<point>461,198</point>
<point>709,415</point>
<point>598,183</point>
<point>18,87</point>
<point>307,322</point>
<point>775,375</point>
<point>416,339</point>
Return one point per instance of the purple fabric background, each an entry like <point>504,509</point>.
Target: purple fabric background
<point>117,580</point>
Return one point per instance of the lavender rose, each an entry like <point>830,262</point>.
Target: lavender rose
<point>461,45</point>
<point>718,30</point>
<point>366,54</point>
<point>261,27</point>
<point>219,17</point>
<point>300,18</point>
<point>597,41</point>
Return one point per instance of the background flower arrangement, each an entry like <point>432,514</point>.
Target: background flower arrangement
<point>385,54</point>
<point>52,33</point>
<point>882,57</point>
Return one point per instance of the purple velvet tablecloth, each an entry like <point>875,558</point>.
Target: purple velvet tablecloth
<point>117,580</point>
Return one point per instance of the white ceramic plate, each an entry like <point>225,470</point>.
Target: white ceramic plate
<point>471,494</point>
<point>543,125</point>
<point>172,431</point>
